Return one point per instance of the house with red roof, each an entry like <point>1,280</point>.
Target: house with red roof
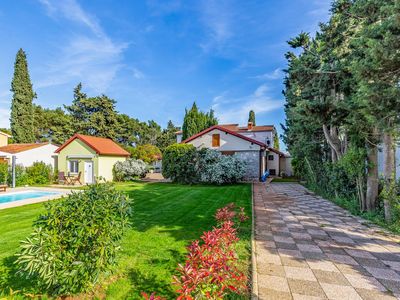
<point>251,143</point>
<point>27,154</point>
<point>89,156</point>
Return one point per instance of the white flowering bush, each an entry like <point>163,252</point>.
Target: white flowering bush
<point>215,168</point>
<point>129,170</point>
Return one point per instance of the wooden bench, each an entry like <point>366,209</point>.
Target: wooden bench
<point>3,187</point>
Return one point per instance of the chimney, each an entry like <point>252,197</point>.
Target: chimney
<point>250,126</point>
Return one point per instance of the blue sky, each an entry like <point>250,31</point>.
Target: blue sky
<point>156,57</point>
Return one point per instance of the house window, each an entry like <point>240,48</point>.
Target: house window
<point>229,153</point>
<point>215,140</point>
<point>272,172</point>
<point>73,166</point>
<point>270,157</point>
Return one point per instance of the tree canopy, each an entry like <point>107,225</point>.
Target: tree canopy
<point>252,117</point>
<point>196,121</point>
<point>342,98</point>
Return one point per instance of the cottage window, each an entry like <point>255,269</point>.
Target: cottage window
<point>272,172</point>
<point>215,140</point>
<point>73,166</point>
<point>270,157</point>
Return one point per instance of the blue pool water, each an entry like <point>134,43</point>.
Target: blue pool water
<point>24,195</point>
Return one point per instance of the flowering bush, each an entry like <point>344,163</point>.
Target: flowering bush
<point>213,167</point>
<point>229,213</point>
<point>211,269</point>
<point>129,170</point>
<point>183,163</point>
<point>153,296</point>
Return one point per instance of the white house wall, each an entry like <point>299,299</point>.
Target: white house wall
<point>228,142</point>
<point>44,153</point>
<point>273,164</point>
<point>261,136</point>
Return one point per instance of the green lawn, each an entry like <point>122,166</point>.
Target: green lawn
<point>166,218</point>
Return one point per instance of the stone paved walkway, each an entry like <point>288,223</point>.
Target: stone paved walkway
<point>309,248</point>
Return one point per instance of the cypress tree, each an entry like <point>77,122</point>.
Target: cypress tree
<point>196,121</point>
<point>252,117</point>
<point>22,110</point>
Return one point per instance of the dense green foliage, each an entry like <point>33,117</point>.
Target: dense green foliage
<point>75,240</point>
<point>196,121</point>
<point>147,153</point>
<point>93,115</point>
<point>252,117</point>
<point>179,163</point>
<point>22,115</point>
<point>343,99</point>
<point>38,173</point>
<point>183,163</point>
<point>98,116</point>
<point>3,173</point>
<point>167,217</point>
<point>53,125</point>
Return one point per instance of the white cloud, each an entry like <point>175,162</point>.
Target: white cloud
<point>137,73</point>
<point>217,19</point>
<point>93,58</point>
<point>236,110</point>
<point>275,74</point>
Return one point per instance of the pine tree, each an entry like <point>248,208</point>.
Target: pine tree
<point>95,116</point>
<point>252,117</point>
<point>22,110</point>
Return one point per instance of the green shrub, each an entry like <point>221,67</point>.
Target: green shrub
<point>179,163</point>
<point>147,152</point>
<point>21,178</point>
<point>75,240</point>
<point>184,164</point>
<point>3,173</point>
<point>39,173</point>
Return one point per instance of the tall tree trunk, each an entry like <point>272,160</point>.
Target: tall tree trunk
<point>372,178</point>
<point>389,169</point>
<point>331,137</point>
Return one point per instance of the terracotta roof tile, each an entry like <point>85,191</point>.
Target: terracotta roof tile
<point>237,128</point>
<point>103,146</point>
<point>16,148</point>
<point>223,128</point>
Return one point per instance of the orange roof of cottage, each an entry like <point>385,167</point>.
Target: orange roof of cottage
<point>102,146</point>
<point>16,148</point>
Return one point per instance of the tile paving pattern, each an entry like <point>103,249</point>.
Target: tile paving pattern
<point>309,248</point>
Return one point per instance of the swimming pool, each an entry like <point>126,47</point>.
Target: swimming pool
<point>25,195</point>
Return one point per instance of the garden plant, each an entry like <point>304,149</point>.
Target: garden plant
<point>75,240</point>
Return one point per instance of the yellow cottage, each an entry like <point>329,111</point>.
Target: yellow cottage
<point>89,156</point>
